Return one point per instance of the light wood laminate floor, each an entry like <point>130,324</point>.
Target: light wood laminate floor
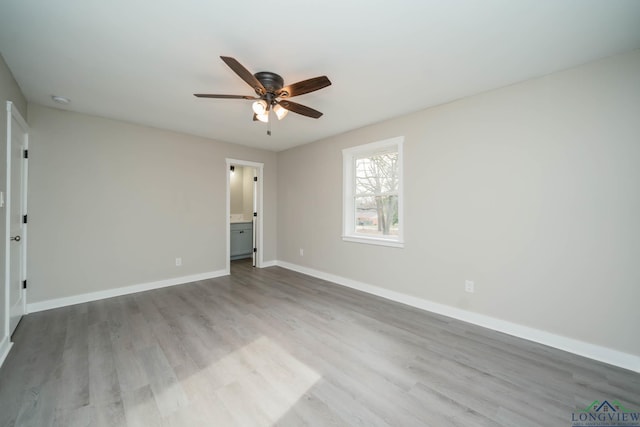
<point>273,347</point>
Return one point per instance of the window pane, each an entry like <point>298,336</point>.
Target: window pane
<point>377,174</point>
<point>377,215</point>
<point>372,193</point>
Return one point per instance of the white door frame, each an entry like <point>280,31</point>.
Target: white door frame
<point>259,167</point>
<point>14,114</point>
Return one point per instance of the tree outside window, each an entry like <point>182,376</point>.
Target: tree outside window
<point>376,193</point>
<point>373,193</point>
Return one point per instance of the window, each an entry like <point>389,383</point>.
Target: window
<point>372,180</point>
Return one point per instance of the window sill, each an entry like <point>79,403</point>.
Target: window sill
<point>374,241</point>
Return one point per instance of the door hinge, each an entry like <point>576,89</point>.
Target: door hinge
<point>255,178</point>
<point>255,214</point>
<point>24,284</point>
<point>255,250</point>
<point>24,219</point>
<point>26,154</point>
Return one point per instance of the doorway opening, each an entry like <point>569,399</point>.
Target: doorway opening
<point>244,213</point>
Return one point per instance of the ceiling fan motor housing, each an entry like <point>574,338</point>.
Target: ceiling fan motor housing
<point>272,82</point>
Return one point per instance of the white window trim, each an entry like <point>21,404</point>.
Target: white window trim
<point>348,164</point>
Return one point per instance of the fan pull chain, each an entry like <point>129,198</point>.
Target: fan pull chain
<point>269,122</point>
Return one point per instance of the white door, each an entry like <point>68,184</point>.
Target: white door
<point>16,181</point>
<point>255,216</point>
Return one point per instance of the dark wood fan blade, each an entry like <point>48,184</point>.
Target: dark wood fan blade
<point>209,95</point>
<point>244,74</point>
<point>304,86</point>
<point>300,109</point>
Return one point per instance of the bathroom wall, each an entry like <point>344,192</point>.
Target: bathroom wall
<point>241,193</point>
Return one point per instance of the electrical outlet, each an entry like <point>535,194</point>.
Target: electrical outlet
<point>178,262</point>
<point>469,286</point>
<point>301,252</point>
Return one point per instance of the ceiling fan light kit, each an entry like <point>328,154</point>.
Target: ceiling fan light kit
<point>270,90</point>
<point>264,117</point>
<point>280,111</point>
<point>260,106</point>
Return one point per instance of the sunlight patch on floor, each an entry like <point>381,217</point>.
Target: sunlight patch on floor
<point>255,385</point>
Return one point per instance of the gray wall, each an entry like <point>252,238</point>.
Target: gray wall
<point>112,204</point>
<point>532,191</point>
<point>9,91</point>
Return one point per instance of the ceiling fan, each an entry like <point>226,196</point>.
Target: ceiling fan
<point>271,92</point>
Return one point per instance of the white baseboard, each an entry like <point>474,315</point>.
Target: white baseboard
<point>125,290</point>
<point>581,348</point>
<point>266,264</point>
<point>5,346</point>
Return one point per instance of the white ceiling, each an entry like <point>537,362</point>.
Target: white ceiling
<point>141,60</point>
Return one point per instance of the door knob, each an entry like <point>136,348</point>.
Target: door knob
<point>17,238</point>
